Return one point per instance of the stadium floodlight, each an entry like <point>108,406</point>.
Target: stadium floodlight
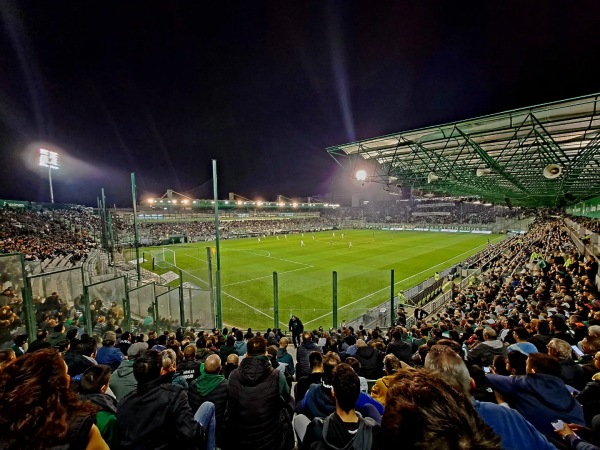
<point>361,175</point>
<point>49,159</point>
<point>150,200</point>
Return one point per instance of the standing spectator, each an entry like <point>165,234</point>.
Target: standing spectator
<point>400,349</point>
<point>57,335</point>
<point>304,350</point>
<point>371,360</point>
<point>157,414</point>
<point>40,342</point>
<point>256,415</point>
<point>108,354</point>
<point>296,328</point>
<point>38,410</point>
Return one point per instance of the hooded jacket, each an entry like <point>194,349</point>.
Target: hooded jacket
<point>332,433</point>
<point>256,415</point>
<point>122,382</point>
<point>304,350</point>
<point>240,348</point>
<point>483,354</point>
<point>371,362</point>
<point>210,388</point>
<point>284,357</point>
<point>106,417</point>
<point>540,398</point>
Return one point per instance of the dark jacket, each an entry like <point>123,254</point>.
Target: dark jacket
<point>401,350</point>
<point>210,388</point>
<point>304,350</point>
<point>225,351</point>
<point>106,417</point>
<point>189,369</point>
<point>256,415</point>
<point>589,398</point>
<point>540,398</point>
<point>483,354</point>
<point>304,383</point>
<point>122,382</point>
<point>76,363</point>
<point>572,374</point>
<point>318,402</point>
<point>284,357</point>
<point>332,433</point>
<point>371,362</point>
<point>158,416</point>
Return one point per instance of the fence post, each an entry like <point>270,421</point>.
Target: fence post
<point>392,309</point>
<point>127,306</point>
<point>87,311</point>
<point>210,284</point>
<point>275,301</point>
<point>155,308</point>
<point>335,300</point>
<point>181,306</point>
<point>29,311</point>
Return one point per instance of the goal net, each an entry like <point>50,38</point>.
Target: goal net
<point>164,258</point>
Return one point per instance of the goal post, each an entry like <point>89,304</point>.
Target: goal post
<point>164,258</point>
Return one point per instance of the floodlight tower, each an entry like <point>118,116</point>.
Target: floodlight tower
<point>49,159</point>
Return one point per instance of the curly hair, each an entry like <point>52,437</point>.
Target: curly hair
<point>36,403</point>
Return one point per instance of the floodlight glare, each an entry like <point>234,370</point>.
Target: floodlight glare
<point>361,175</point>
<point>150,200</point>
<point>49,159</point>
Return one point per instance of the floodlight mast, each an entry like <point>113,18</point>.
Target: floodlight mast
<point>49,159</point>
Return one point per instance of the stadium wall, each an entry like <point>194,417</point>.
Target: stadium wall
<point>589,208</point>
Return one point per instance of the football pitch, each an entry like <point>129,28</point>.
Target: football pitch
<point>362,259</point>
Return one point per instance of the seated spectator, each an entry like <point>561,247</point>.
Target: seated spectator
<point>108,354</point>
<point>400,349</point>
<point>314,377</point>
<point>371,360</point>
<point>282,367</point>
<point>570,372</point>
<point>540,396</point>
<point>169,368</point>
<point>318,401</point>
<point>391,366</point>
<point>211,386</point>
<point>40,342</point>
<point>81,356</point>
<point>7,356</point>
<point>499,366</point>
<point>157,414</point>
<point>19,344</point>
<point>189,367</point>
<point>240,343</point>
<point>93,387</point>
<point>59,334</point>
<point>542,338</point>
<point>516,432</point>
<point>233,361</point>
<point>38,410</point>
<point>589,397</point>
<point>284,357</point>
<point>124,342</point>
<point>516,363</point>
<point>256,397</point>
<point>304,350</point>
<point>227,349</point>
<point>344,428</point>
<point>423,410</point>
<point>355,364</point>
<point>483,354</point>
<point>521,345</point>
<point>122,381</point>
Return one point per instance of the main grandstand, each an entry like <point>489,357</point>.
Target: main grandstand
<point>517,193</point>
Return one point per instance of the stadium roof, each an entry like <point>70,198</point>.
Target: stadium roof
<point>544,155</point>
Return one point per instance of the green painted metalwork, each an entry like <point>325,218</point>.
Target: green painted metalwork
<point>509,149</point>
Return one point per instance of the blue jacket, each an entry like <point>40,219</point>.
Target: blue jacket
<point>540,398</point>
<point>111,356</point>
<point>515,431</point>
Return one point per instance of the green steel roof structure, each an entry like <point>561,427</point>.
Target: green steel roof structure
<point>540,156</point>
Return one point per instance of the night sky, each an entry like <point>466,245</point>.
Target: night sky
<point>264,87</point>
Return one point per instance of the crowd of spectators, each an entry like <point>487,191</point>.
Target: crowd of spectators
<point>47,234</point>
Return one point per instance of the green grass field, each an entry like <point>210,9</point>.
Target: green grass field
<point>305,272</point>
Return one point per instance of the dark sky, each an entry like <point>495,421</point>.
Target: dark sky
<point>161,88</point>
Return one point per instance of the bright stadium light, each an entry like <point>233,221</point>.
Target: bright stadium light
<point>361,175</point>
<point>49,159</point>
<point>150,200</point>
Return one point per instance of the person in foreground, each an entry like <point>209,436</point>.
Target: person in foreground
<point>424,411</point>
<point>37,409</point>
<point>345,428</point>
<point>157,414</point>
